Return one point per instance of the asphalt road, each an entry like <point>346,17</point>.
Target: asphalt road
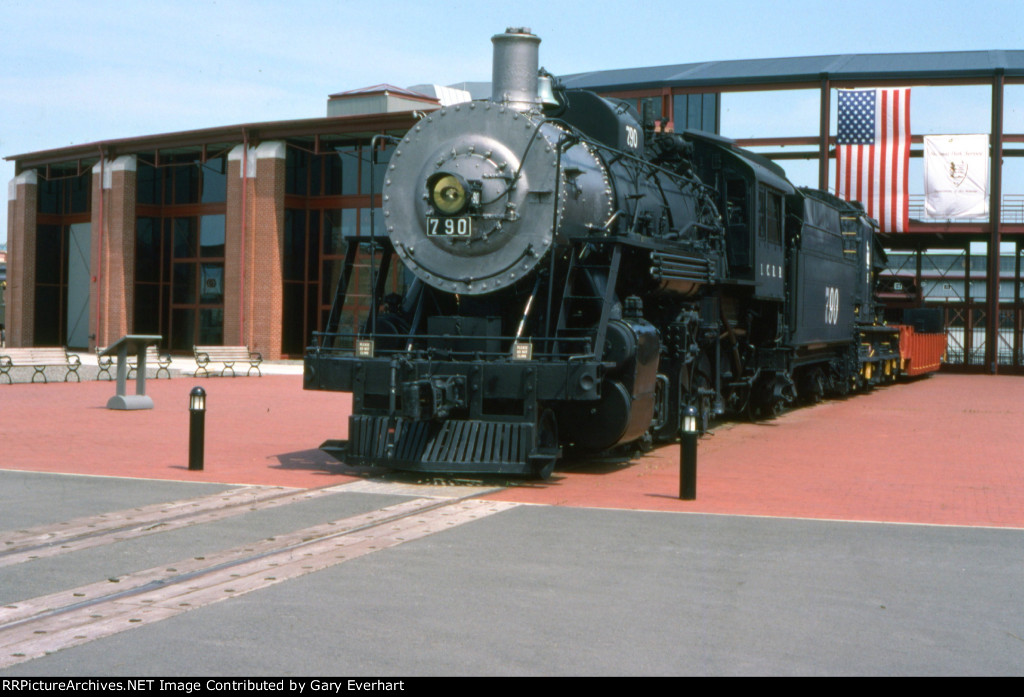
<point>541,590</point>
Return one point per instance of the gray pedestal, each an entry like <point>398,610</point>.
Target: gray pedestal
<point>132,343</point>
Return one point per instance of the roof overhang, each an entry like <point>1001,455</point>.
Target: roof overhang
<point>219,137</point>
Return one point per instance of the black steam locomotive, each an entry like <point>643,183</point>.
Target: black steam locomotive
<point>568,277</point>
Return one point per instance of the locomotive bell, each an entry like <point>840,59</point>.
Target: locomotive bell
<point>545,92</point>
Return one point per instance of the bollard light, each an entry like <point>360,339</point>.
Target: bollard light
<point>196,427</point>
<point>197,399</point>
<point>688,455</point>
<point>689,420</point>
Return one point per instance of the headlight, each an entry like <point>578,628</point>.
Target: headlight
<point>448,193</point>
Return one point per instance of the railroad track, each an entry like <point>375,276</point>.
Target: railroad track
<point>39,626</point>
<point>28,544</point>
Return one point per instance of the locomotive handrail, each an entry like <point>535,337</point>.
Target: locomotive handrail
<point>689,179</point>
<point>522,160</point>
<point>319,346</point>
<point>684,180</point>
<point>446,337</point>
<point>575,135</point>
<point>373,238</point>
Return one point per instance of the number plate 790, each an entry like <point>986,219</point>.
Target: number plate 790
<point>449,227</point>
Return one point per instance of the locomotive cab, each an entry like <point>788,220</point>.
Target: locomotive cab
<point>751,193</point>
<point>739,233</point>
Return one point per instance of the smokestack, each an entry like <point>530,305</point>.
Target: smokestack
<point>514,77</point>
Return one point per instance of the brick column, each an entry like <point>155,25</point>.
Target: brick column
<point>22,205</point>
<point>261,275</point>
<point>238,213</point>
<point>112,253</point>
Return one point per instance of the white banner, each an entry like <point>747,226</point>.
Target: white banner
<point>956,176</point>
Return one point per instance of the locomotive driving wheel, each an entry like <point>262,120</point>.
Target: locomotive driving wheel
<point>542,462</point>
<point>816,386</point>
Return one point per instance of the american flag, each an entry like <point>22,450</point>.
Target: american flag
<point>873,153</point>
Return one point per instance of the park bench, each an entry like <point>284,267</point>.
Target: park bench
<point>154,359</point>
<point>228,356</point>
<point>39,359</point>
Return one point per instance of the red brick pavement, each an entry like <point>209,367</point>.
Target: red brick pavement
<point>943,450</point>
<point>258,431</point>
<point>948,449</point>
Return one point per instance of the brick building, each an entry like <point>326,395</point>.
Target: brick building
<point>164,235</point>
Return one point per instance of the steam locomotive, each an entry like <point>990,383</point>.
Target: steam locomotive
<point>570,278</point>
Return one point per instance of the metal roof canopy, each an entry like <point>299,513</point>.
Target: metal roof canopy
<point>973,66</point>
<point>993,68</point>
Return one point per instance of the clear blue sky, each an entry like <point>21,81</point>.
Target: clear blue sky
<point>76,71</point>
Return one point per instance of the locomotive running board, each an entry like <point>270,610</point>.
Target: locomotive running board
<point>456,446</point>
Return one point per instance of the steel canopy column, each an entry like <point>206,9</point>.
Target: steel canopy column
<point>1016,343</point>
<point>995,212</point>
<point>823,131</point>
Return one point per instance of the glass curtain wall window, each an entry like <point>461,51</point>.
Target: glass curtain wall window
<point>696,111</point>
<point>61,316</point>
<point>179,262</point>
<point>699,112</point>
<point>328,206</point>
